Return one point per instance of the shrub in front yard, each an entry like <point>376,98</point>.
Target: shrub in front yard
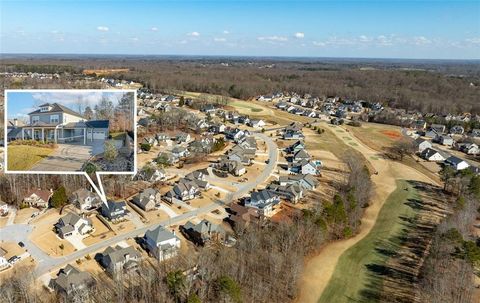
<point>110,152</point>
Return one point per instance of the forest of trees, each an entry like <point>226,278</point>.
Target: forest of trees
<point>432,86</point>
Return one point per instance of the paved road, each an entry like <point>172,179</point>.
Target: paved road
<point>21,232</point>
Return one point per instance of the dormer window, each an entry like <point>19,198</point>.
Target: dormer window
<point>44,108</point>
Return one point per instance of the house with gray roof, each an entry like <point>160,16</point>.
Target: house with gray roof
<point>292,192</point>
<point>301,155</point>
<point>306,181</point>
<point>147,199</point>
<point>456,163</point>
<point>264,201</point>
<point>161,243</point>
<point>71,281</point>
<point>295,147</point>
<point>116,259</point>
<point>58,123</point>
<point>85,200</point>
<point>203,232</point>
<point>422,144</point>
<point>433,155</point>
<point>71,224</point>
<point>114,211</point>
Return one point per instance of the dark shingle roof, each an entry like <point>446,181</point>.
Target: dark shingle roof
<point>98,123</point>
<point>57,108</point>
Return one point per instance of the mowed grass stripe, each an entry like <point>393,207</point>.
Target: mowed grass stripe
<point>351,275</point>
<point>24,157</point>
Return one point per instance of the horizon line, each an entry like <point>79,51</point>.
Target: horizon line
<point>235,56</point>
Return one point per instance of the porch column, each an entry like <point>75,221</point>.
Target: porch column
<point>55,135</point>
<point>85,136</point>
<point>43,134</point>
<point>33,133</point>
<point>23,134</point>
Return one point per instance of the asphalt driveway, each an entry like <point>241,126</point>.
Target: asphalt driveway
<point>69,157</point>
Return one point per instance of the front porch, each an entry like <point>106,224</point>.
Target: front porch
<point>55,134</point>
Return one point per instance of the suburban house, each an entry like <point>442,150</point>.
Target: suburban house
<point>233,167</point>
<point>180,152</point>
<point>3,209</point>
<point>152,174</point>
<point>57,123</point>
<point>73,224</point>
<point>304,167</point>
<point>293,135</point>
<point>444,140</point>
<point>264,201</point>
<point>292,192</point>
<point>256,123</point>
<point>422,144</point>
<point>182,138</point>
<point>147,199</point>
<point>295,147</point>
<point>457,130</point>
<point>203,232</point>
<point>236,134</point>
<point>70,281</point>
<point>242,217</point>
<point>456,163</point>
<point>182,191</point>
<point>161,243</point>
<point>301,155</point>
<point>438,128</point>
<point>114,211</point>
<point>433,155</point>
<point>85,200</point>
<point>4,264</point>
<point>38,198</point>
<point>306,181</point>
<point>117,259</point>
<point>469,148</point>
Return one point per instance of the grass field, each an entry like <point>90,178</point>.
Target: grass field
<point>23,157</point>
<point>376,136</point>
<point>351,274</point>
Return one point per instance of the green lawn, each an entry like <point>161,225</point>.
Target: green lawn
<point>23,157</point>
<point>351,275</point>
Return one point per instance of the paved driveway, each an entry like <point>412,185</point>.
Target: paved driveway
<point>69,157</point>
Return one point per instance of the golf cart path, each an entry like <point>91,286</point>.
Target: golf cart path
<point>320,268</point>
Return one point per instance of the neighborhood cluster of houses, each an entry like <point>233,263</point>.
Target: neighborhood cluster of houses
<point>266,202</point>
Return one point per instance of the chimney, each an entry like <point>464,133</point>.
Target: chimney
<point>15,122</point>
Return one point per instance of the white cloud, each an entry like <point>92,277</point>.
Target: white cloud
<point>154,29</point>
<point>299,35</point>
<point>219,39</point>
<point>134,39</point>
<point>319,43</point>
<point>473,40</point>
<point>273,38</point>
<point>421,40</point>
<point>194,34</point>
<point>102,28</point>
<point>225,32</point>
<point>70,99</point>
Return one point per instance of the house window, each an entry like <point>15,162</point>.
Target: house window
<point>54,119</point>
<point>35,119</point>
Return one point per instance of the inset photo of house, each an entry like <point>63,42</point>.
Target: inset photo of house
<point>70,130</point>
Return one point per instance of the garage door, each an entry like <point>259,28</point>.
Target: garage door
<point>98,135</point>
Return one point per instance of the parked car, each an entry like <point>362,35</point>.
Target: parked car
<point>21,244</point>
<point>13,260</point>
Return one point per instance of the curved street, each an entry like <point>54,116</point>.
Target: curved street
<point>46,263</point>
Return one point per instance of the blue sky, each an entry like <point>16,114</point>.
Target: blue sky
<point>385,29</point>
<point>19,104</point>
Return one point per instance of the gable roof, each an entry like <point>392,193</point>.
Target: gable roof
<point>43,194</point>
<point>160,234</point>
<point>56,108</point>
